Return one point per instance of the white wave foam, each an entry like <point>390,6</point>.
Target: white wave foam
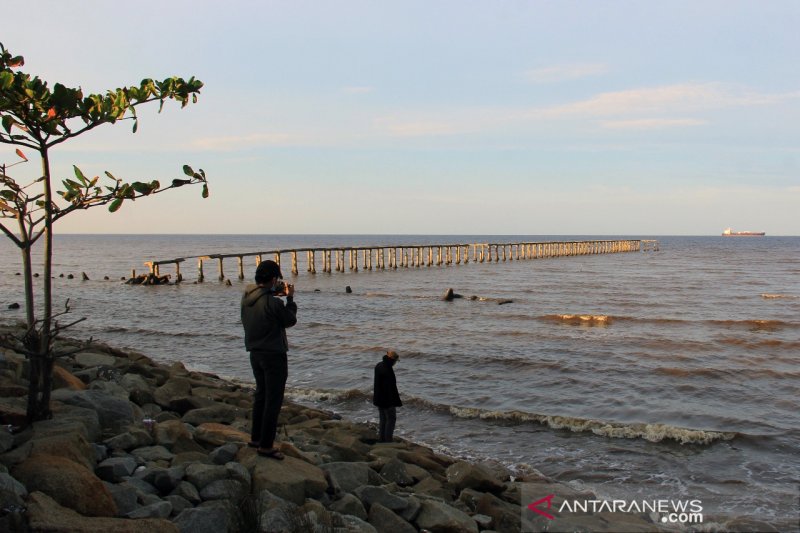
<point>650,432</point>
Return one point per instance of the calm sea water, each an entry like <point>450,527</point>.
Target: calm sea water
<point>689,387</point>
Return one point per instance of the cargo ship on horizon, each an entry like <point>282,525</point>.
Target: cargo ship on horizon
<point>730,233</point>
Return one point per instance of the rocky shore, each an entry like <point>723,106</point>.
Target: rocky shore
<point>137,446</point>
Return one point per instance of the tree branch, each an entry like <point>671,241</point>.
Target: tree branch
<point>11,235</point>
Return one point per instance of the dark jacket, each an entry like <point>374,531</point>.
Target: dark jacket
<point>265,318</point>
<point>385,389</point>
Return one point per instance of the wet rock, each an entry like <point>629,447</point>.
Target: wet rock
<point>160,509</point>
<point>135,438</point>
<point>449,295</point>
<point>385,520</point>
<point>505,516</point>
<point>69,483</point>
<point>350,476</point>
<point>238,472</point>
<point>45,514</point>
<point>115,414</point>
<point>224,454</point>
<point>170,432</point>
<point>152,454</point>
<point>124,496</point>
<point>201,475</point>
<point>84,277</point>
<point>203,520</point>
<point>115,468</point>
<point>221,489</point>
<point>348,290</point>
<point>64,379</point>
<point>178,504</point>
<point>349,504</point>
<point>141,486</point>
<point>173,388</point>
<point>219,434</point>
<point>370,495</point>
<point>395,471</point>
<point>291,479</point>
<point>14,305</point>
<point>437,516</point>
<point>464,475</point>
<point>188,492</point>
<point>220,413</point>
<point>92,359</point>
<point>164,479</point>
<point>9,484</point>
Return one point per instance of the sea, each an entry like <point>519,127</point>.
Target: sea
<point>669,374</point>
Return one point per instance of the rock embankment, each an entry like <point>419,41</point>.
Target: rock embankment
<point>135,446</point>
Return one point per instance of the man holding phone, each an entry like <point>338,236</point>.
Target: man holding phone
<point>265,318</point>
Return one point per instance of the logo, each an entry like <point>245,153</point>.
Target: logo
<point>534,506</point>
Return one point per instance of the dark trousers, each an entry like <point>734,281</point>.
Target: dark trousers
<point>388,417</point>
<point>270,371</point>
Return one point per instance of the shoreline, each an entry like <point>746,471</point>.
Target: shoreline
<point>165,448</point>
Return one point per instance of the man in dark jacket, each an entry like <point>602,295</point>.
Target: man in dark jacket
<point>265,318</point>
<point>385,396</point>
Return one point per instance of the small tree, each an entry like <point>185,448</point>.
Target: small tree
<point>38,118</point>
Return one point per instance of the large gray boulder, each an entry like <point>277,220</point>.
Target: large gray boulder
<point>350,476</point>
<point>202,520</point>
<point>385,520</point>
<point>349,504</point>
<point>173,388</point>
<point>116,468</point>
<point>115,413</point>
<point>464,475</point>
<point>370,495</point>
<point>220,413</point>
<point>201,475</point>
<point>291,479</point>
<point>438,517</point>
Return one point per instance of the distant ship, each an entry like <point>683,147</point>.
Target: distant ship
<point>730,233</point>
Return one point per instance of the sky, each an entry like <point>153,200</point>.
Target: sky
<point>437,117</point>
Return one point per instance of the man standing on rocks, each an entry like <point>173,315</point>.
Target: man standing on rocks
<point>385,396</point>
<point>265,318</point>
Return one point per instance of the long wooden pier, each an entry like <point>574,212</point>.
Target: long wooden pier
<point>342,258</point>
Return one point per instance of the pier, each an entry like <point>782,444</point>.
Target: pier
<point>383,257</point>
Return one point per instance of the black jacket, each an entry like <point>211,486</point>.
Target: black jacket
<point>265,318</point>
<point>385,389</point>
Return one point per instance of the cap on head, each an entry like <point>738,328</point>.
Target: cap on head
<point>392,355</point>
<point>267,270</point>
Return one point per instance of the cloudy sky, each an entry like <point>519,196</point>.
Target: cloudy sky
<point>443,117</point>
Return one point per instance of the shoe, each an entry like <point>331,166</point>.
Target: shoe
<point>272,453</point>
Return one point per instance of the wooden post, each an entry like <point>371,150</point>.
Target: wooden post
<point>219,267</point>
<point>200,276</point>
<point>133,273</point>
<point>294,262</point>
<point>240,260</point>
<point>278,258</point>
<point>313,262</point>
<point>258,260</point>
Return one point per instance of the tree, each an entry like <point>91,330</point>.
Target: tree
<point>37,118</point>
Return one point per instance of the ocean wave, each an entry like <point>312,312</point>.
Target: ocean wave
<point>754,324</point>
<point>580,320</point>
<point>181,333</point>
<point>760,344</point>
<point>693,372</point>
<point>650,432</point>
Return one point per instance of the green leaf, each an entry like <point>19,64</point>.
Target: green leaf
<point>7,123</point>
<point>135,125</point>
<point>205,190</point>
<point>6,80</point>
<point>188,170</point>
<point>115,205</point>
<point>80,175</point>
<point>142,188</point>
